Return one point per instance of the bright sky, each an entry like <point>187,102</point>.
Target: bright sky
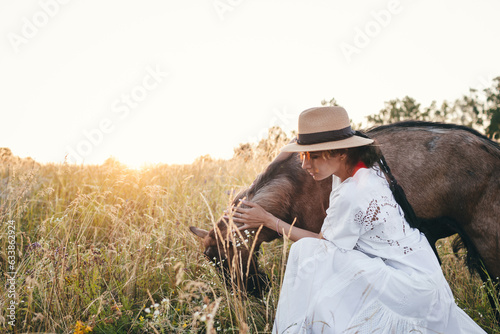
<point>168,81</point>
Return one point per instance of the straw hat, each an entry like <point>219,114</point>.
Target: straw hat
<point>325,128</point>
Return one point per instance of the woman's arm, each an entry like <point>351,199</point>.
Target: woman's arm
<point>255,216</point>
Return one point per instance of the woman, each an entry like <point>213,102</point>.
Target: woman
<point>369,270</point>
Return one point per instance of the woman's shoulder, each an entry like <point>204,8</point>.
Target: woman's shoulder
<point>365,179</point>
<point>349,188</point>
<point>366,184</point>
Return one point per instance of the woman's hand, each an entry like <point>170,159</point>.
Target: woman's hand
<point>252,217</point>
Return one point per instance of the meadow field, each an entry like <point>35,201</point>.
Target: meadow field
<point>107,249</point>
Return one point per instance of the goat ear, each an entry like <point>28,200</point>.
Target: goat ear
<point>198,231</point>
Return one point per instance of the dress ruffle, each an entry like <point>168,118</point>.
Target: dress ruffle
<point>326,290</point>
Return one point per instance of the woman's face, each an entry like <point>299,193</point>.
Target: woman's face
<point>320,168</point>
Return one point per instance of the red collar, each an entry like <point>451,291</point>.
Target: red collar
<point>359,165</point>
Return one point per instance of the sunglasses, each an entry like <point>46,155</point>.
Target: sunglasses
<point>310,155</point>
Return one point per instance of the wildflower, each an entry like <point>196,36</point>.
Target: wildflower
<point>156,305</point>
<point>157,312</point>
<point>147,310</point>
<point>184,325</point>
<point>33,246</point>
<point>203,318</point>
<point>80,328</point>
<point>141,318</point>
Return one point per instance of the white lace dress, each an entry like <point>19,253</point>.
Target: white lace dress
<point>372,274</point>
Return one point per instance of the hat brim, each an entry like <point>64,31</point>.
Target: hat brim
<point>354,141</point>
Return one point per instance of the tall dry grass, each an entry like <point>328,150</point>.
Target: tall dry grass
<point>106,249</point>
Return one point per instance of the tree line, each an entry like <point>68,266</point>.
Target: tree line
<point>480,110</point>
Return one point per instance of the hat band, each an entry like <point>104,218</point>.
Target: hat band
<point>325,136</point>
